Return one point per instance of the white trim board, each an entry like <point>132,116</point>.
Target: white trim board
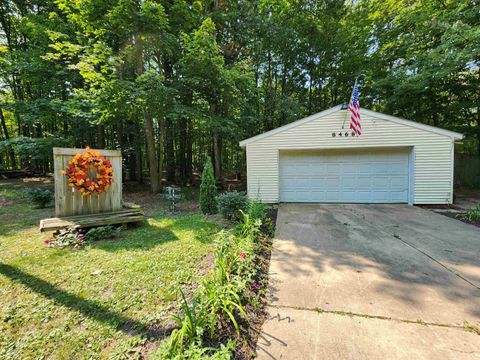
<point>378,115</point>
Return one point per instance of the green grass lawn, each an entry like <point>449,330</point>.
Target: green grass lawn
<point>101,301</point>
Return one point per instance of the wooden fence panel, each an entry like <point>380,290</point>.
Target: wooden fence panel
<point>467,170</point>
<point>69,201</point>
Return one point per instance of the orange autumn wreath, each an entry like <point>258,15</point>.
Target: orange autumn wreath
<point>78,177</point>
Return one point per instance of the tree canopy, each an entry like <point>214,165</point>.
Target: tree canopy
<point>172,82</point>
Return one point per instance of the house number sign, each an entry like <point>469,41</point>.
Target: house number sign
<point>346,133</point>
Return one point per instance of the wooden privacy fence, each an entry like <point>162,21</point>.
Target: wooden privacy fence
<point>467,170</point>
<point>69,201</point>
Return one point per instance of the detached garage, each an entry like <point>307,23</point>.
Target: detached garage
<point>317,159</point>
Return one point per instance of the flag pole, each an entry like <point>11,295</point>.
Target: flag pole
<point>346,112</point>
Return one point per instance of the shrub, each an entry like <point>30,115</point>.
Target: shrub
<point>40,198</point>
<point>101,233</point>
<point>473,214</point>
<point>230,204</point>
<point>208,189</point>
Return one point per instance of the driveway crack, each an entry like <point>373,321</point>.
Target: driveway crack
<point>435,260</point>
<point>467,327</point>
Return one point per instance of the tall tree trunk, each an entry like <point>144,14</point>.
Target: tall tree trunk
<point>170,150</point>
<point>478,129</point>
<point>11,154</point>
<point>152,153</point>
<point>189,150</point>
<point>161,145</point>
<point>182,151</point>
<point>148,124</point>
<point>138,157</point>
<point>217,153</point>
<point>101,136</point>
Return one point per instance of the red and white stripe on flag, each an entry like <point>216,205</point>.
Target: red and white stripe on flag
<point>354,107</point>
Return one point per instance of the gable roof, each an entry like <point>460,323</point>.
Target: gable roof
<point>375,114</point>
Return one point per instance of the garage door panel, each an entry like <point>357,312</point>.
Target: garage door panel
<point>332,196</point>
<point>349,181</point>
<point>364,182</point>
<point>398,182</point>
<point>364,196</point>
<point>349,168</point>
<point>364,168</point>
<point>346,177</point>
<point>397,196</point>
<point>334,168</point>
<point>318,196</point>
<point>348,196</point>
<point>332,182</point>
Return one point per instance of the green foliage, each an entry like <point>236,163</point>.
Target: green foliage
<point>194,351</point>
<point>102,233</point>
<point>208,189</point>
<point>94,289</point>
<point>230,204</point>
<point>76,71</point>
<point>473,214</point>
<point>256,210</point>
<point>189,193</point>
<point>249,227</point>
<point>39,197</point>
<point>219,302</point>
<point>68,237</point>
<point>267,227</point>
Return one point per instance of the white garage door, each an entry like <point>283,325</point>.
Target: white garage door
<point>359,176</point>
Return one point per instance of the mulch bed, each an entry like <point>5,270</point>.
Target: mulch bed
<point>456,213</point>
<point>460,217</point>
<point>255,310</point>
<point>246,345</point>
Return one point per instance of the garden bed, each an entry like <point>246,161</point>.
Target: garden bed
<point>226,314</point>
<point>453,212</point>
<point>459,216</point>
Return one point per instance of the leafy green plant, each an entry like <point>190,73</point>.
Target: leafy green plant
<point>256,210</point>
<point>249,227</point>
<point>40,197</point>
<point>208,189</point>
<point>267,227</point>
<point>221,302</point>
<point>101,233</point>
<point>473,214</point>
<point>193,321</point>
<point>68,237</point>
<point>230,204</point>
<point>194,351</point>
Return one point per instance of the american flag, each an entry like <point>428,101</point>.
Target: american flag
<point>354,107</point>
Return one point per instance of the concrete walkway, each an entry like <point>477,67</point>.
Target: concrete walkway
<point>372,282</point>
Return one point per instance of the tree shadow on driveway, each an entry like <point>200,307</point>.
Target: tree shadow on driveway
<point>372,259</point>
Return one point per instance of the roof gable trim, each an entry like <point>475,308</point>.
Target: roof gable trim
<point>414,124</point>
<point>378,115</point>
<point>293,124</point>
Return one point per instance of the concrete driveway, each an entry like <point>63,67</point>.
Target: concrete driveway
<point>372,282</point>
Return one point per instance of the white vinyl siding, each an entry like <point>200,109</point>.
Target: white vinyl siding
<point>432,153</point>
